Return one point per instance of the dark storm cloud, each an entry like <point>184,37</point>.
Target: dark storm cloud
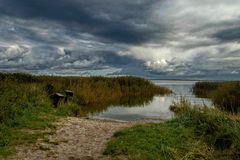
<point>118,22</point>
<point>232,34</point>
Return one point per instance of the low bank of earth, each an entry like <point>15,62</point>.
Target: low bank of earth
<point>73,139</point>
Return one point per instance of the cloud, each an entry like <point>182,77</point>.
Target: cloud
<point>147,38</point>
<point>199,33</point>
<point>232,34</point>
<point>120,21</point>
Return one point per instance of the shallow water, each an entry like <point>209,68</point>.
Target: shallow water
<point>158,108</point>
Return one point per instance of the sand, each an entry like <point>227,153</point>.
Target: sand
<point>73,139</point>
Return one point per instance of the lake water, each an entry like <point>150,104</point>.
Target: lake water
<point>158,107</point>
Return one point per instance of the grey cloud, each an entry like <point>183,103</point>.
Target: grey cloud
<point>56,60</point>
<point>232,34</point>
<point>117,22</point>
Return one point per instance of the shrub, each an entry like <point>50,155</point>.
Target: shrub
<point>225,95</point>
<point>203,89</point>
<point>214,126</point>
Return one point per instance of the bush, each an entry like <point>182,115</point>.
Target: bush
<point>203,89</point>
<point>214,126</point>
<point>225,95</point>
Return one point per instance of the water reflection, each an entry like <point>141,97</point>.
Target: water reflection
<point>157,107</point>
<point>121,102</point>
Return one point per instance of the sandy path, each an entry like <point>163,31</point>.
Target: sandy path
<point>75,139</point>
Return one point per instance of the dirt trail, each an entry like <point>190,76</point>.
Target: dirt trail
<point>75,139</point>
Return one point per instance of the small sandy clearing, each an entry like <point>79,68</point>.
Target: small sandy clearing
<point>75,139</point>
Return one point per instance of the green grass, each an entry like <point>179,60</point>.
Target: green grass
<point>26,128</point>
<point>157,141</point>
<point>193,134</point>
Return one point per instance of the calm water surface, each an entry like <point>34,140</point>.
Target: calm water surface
<point>158,108</point>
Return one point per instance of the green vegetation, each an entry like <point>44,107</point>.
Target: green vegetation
<point>93,90</point>
<point>195,133</point>
<point>225,95</point>
<point>23,107</point>
<point>202,89</point>
<point>25,102</point>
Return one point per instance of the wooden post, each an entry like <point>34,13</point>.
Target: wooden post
<point>56,98</point>
<point>69,95</point>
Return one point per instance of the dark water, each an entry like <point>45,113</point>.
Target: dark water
<point>157,108</point>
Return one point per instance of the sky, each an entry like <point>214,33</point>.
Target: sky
<point>149,38</point>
